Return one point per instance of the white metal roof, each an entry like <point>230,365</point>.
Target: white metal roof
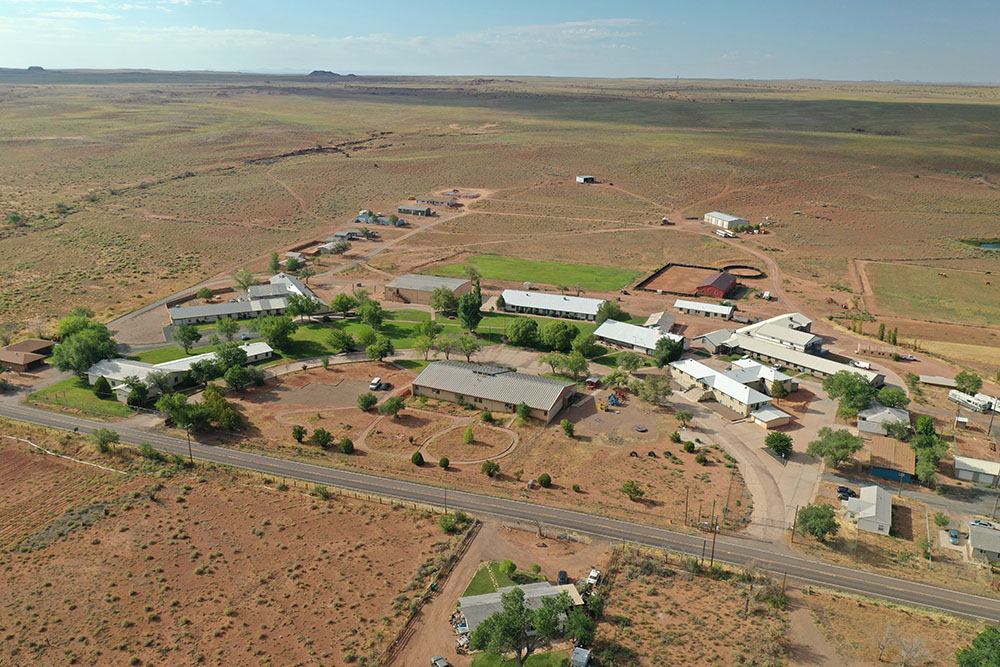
<point>477,608</point>
<point>662,320</point>
<point>782,334</point>
<point>750,371</point>
<point>294,285</point>
<point>493,383</point>
<point>184,364</point>
<point>769,414</point>
<point>721,381</point>
<point>881,414</point>
<point>986,539</point>
<point>724,216</point>
<point>873,502</point>
<point>977,465</point>
<point>704,307</point>
<point>553,302</point>
<point>119,369</point>
<point>415,281</point>
<point>795,357</point>
<point>630,334</point>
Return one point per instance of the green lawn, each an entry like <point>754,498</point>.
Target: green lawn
<point>415,365</point>
<point>496,322</point>
<point>588,277</point>
<point>480,584</point>
<point>922,292</point>
<point>407,315</point>
<point>612,360</point>
<point>553,659</point>
<point>75,394</point>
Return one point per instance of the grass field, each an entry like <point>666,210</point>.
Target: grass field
<point>494,267</point>
<point>481,582</point>
<point>920,292</point>
<point>75,395</point>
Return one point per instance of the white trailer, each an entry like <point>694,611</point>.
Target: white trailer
<point>971,402</point>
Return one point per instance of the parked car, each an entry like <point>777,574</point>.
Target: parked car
<point>595,576</point>
<point>907,357</point>
<point>385,386</point>
<point>953,536</point>
<point>980,522</point>
<point>847,491</point>
<point>244,336</point>
<point>562,579</point>
<point>438,661</point>
<point>375,384</point>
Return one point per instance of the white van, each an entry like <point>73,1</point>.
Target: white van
<point>375,384</point>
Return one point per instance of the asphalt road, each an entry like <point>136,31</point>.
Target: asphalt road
<point>729,549</point>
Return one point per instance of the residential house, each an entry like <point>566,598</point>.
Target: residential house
<point>494,388</point>
<point>421,211</point>
<point>416,288</point>
<point>632,337</point>
<point>25,355</point>
<point>874,420</point>
<point>720,385</point>
<point>871,510</point>
<point>892,459</point>
<point>551,305</point>
<point>984,543</point>
<point>477,608</point>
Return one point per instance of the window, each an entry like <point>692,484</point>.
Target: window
<point>436,391</point>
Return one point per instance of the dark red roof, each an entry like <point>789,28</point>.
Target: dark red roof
<point>721,280</point>
<point>35,345</point>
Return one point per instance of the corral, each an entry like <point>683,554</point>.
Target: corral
<point>679,279</point>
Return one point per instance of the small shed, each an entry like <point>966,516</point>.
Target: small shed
<point>977,470</point>
<point>771,417</point>
<point>892,459</point>
<point>580,657</point>
<point>586,178</point>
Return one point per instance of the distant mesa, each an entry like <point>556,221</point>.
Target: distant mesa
<point>36,68</point>
<point>321,73</point>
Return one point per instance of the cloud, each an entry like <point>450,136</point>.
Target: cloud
<point>72,14</point>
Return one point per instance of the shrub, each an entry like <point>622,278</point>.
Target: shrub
<point>298,433</point>
<point>688,447</point>
<point>567,427</point>
<point>469,437</point>
<point>321,437</point>
<point>367,401</point>
<point>507,566</point>
<point>536,568</point>
<point>443,462</point>
<point>417,459</point>
<point>104,438</point>
<point>448,523</point>
<point>544,480</point>
<point>102,389</point>
<point>146,450</point>
<point>323,492</point>
<point>346,445</point>
<point>491,468</point>
<point>523,411</point>
<point>487,417</point>
<point>675,437</point>
<point>576,488</point>
<point>701,459</point>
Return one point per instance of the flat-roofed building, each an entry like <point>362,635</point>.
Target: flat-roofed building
<point>704,309</point>
<point>417,288</point>
<point>892,459</point>
<point>801,361</point>
<point>550,305</point>
<point>632,337</point>
<point>494,388</point>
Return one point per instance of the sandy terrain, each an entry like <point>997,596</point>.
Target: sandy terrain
<point>679,279</point>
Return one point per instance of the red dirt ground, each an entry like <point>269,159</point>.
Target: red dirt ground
<point>680,279</point>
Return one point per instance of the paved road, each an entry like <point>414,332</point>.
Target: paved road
<point>736,550</point>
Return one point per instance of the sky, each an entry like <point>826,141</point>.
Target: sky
<point>912,40</point>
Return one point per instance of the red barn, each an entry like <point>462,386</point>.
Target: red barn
<point>717,285</point>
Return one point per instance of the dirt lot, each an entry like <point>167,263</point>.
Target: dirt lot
<point>199,567</point>
<point>488,442</point>
<point>859,628</point>
<point>679,279</point>
<point>661,614</point>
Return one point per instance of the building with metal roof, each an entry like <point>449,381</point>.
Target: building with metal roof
<point>294,286</point>
<point>267,291</point>
<point>663,321</point>
<point>938,381</point>
<point>892,459</point>
<point>494,388</point>
<point>417,288</point>
<point>801,361</point>
<point>717,285</point>
<point>255,351</point>
<point>875,419</point>
<point>704,309</point>
<point>237,310</point>
<point>984,543</point>
<point>977,470</point>
<point>871,510</point>
<point>725,389</point>
<point>633,337</point>
<point>725,220</point>
<point>477,608</point>
<point>792,330</point>
<point>551,305</point>
<point>712,341</point>
<point>422,211</point>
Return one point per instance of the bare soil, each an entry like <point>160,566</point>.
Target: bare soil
<point>680,279</point>
<point>488,442</point>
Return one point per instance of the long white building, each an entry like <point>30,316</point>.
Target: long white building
<point>725,220</point>
<point>550,305</point>
<point>632,337</point>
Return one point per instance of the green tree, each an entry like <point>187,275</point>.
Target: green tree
<point>443,463</point>
<point>308,272</point>
<point>834,446</point>
<point>580,627</point>
<point>892,397</point>
<point>522,332</point>
<point>346,445</point>
<point>968,382</point>
<point>444,301</point>
<point>576,365</point>
<point>616,378</point>
<point>205,294</point>
<point>160,381</point>
<point>424,345</point>
<point>853,390</point>
<point>371,313</point>
<point>102,389</point>
<point>507,567</point>
<point>523,411</point>
<point>984,650</point>
<point>380,349</point>
<point>654,389</point>
<point>298,431</point>
<point>103,438</point>
<point>228,355</point>
<point>508,631</point>
<point>417,459</point>
<point>293,264</point>
<point>941,520</point>
<point>818,520</point>
<point>138,391</point>
<point>568,428</point>
<point>629,361</point>
<point>299,305</point>
<point>558,335</point>
<point>367,401</point>
<point>428,328</point>
<point>227,328</point>
<point>554,360</point>
<point>667,350</point>
<point>881,330</point>
<point>610,310</point>
<point>238,378</point>
<point>77,322</point>
<point>274,266</point>
<point>321,438</point>
<point>391,406</point>
<point>244,280</point>
<point>277,330</point>
<point>586,344</point>
<point>446,344</point>
<point>186,335</point>
<point>470,312</point>
<point>545,480</point>
<point>632,489</point>
<point>925,425</point>
<point>779,443</point>
<point>490,468</point>
<point>83,349</point>
<point>343,303</point>
<point>339,341</point>
<point>468,345</point>
<point>340,247</point>
<point>468,437</point>
<point>778,390</point>
<point>683,417</point>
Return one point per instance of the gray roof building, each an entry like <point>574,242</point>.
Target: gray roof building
<point>477,608</point>
<point>416,281</point>
<point>265,291</point>
<point>984,542</point>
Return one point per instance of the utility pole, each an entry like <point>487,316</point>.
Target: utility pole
<point>187,429</point>
<point>704,543</point>
<point>993,514</point>
<point>715,532</point>
<point>687,497</point>
<point>746,609</point>
<point>732,472</point>
<point>699,513</point>
<point>795,522</point>
<point>783,580</point>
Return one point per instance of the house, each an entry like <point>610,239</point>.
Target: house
<point>712,341</point>
<point>294,286</point>
<point>422,211</point>
<point>984,543</point>
<point>633,337</point>
<point>450,203</point>
<point>416,288</point>
<point>791,330</point>
<point>551,305</point>
<point>724,220</point>
<point>771,417</point>
<point>586,179</point>
<point>237,310</point>
<point>256,352</point>
<point>718,285</point>
<point>25,355</point>
<point>477,608</point>
<point>871,510</point>
<point>977,470</point>
<point>789,358</point>
<point>580,657</point>
<point>494,388</point>
<point>704,309</point>
<point>367,218</point>
<point>875,419</point>
<point>720,385</point>
<point>663,321</point>
<point>345,235</point>
<point>892,459</point>
<point>761,377</point>
<point>291,254</point>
